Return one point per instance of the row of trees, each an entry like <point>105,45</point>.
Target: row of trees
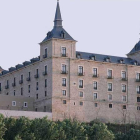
<point>44,129</point>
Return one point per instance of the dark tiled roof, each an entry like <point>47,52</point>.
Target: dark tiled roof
<point>33,60</point>
<point>135,49</point>
<point>102,58</point>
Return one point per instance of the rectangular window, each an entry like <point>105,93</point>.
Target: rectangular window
<point>36,96</point>
<point>138,76</point>
<point>45,69</point>
<point>36,71</point>
<point>138,99</point>
<point>95,96</point>
<point>29,88</point>
<point>110,97</point>
<point>110,105</point>
<point>21,78</point>
<point>64,92</point>
<point>138,107</point>
<point>95,85</point>
<point>14,92</point>
<point>21,91</point>
<point>96,104</point>
<point>124,98</point>
<point>124,106</point>
<point>138,89</point>
<point>25,104</point>
<point>80,70</point>
<point>29,74</point>
<point>63,69</point>
<point>81,94</point>
<point>123,88</point>
<point>13,103</point>
<point>109,73</point>
<point>81,103</point>
<point>46,53</point>
<point>64,102</point>
<point>109,86</point>
<point>45,93</point>
<point>63,52</point>
<point>80,83</point>
<point>36,85</point>
<point>123,74</point>
<point>95,72</point>
<point>45,82</point>
<point>0,86</point>
<point>14,81</point>
<point>64,82</point>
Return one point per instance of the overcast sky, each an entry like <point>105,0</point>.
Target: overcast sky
<point>109,27</point>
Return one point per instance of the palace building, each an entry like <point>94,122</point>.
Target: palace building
<point>74,84</point>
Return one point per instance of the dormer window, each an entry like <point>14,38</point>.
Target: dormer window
<point>107,59</point>
<point>121,61</point>
<point>135,63</point>
<point>78,56</point>
<point>93,58</point>
<point>62,34</point>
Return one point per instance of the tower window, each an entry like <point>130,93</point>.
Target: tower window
<point>80,83</point>
<point>64,92</point>
<point>64,82</point>
<point>64,102</point>
<point>110,105</point>
<point>95,85</point>
<point>63,51</point>
<point>95,96</point>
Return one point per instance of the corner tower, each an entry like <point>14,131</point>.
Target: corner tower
<point>58,42</point>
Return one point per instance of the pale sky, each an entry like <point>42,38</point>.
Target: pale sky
<point>109,27</point>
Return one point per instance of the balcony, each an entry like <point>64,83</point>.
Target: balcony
<point>95,75</point>
<point>81,73</point>
<point>45,56</point>
<point>123,90</point>
<point>7,86</point>
<point>109,89</point>
<point>80,86</point>
<point>28,79</point>
<point>64,72</point>
<point>137,80</point>
<point>124,79</point>
<point>13,84</point>
<point>64,55</point>
<point>36,76</point>
<point>21,82</point>
<point>44,73</point>
<point>109,77</point>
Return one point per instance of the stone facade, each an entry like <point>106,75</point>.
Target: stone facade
<point>64,82</point>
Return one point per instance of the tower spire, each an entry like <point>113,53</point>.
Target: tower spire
<point>58,19</point>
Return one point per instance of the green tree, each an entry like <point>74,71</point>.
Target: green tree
<point>2,127</point>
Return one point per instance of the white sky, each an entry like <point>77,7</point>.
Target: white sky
<point>109,27</point>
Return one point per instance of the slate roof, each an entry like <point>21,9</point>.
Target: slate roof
<point>102,58</point>
<point>58,31</point>
<point>135,49</point>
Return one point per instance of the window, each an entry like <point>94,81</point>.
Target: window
<point>95,72</point>
<point>63,69</point>
<point>124,75</point>
<point>36,85</point>
<point>0,86</point>
<point>37,74</point>
<point>45,108</point>
<point>95,96</point>
<point>21,91</point>
<point>64,102</point>
<point>45,93</point>
<point>63,51</point>
<point>138,89</point>
<point>29,74</point>
<point>96,104</point>
<point>14,92</point>
<point>95,85</point>
<point>81,103</point>
<point>92,58</point>
<point>45,82</point>
<point>138,107</point>
<point>13,103</point>
<point>138,76</point>
<point>80,83</point>
<point>36,109</point>
<point>7,84</point>
<point>124,98</point>
<point>124,106</point>
<point>110,105</point>
<point>109,86</point>
<point>64,82</point>
<point>110,97</point>
<point>138,99</point>
<point>46,53</point>
<point>107,59</point>
<point>36,96</point>
<point>80,70</point>
<point>64,92</point>
<point>7,93</point>
<point>109,73</point>
<point>29,88</point>
<point>25,104</point>
<point>14,84</point>
<point>46,69</point>
<point>123,88</point>
<point>81,94</point>
<point>21,77</point>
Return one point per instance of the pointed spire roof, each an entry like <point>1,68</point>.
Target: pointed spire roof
<point>58,19</point>
<point>58,31</point>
